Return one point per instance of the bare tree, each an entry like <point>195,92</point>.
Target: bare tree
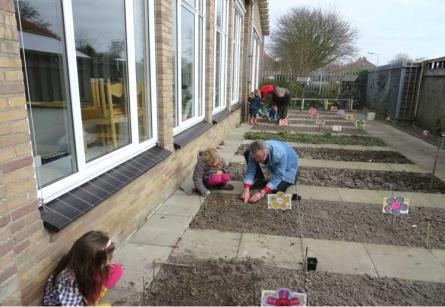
<point>307,39</point>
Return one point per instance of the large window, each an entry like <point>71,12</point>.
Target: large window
<point>236,61</point>
<point>255,64</point>
<point>188,41</point>
<point>219,98</point>
<point>87,68</point>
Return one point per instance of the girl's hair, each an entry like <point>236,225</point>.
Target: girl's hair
<point>257,92</point>
<point>88,259</point>
<point>211,157</point>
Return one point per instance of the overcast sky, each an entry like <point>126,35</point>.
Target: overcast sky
<point>385,27</point>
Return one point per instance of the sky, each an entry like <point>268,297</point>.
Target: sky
<point>385,27</point>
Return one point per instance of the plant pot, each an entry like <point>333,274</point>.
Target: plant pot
<point>311,263</point>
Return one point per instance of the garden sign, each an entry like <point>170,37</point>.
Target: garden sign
<point>279,201</point>
<point>337,128</point>
<point>360,124</point>
<point>396,205</point>
<point>282,297</point>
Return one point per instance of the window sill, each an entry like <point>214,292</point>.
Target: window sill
<point>185,137</point>
<point>66,208</point>
<point>219,117</point>
<point>235,107</point>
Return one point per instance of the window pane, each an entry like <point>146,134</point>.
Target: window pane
<point>219,13</point>
<point>218,70</point>
<point>174,59</point>
<point>201,66</point>
<point>141,37</point>
<point>102,68</point>
<point>46,79</point>
<point>188,63</point>
<point>191,2</point>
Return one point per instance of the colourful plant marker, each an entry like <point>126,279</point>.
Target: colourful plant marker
<point>360,124</point>
<point>282,297</point>
<point>333,109</point>
<point>279,201</point>
<point>396,205</point>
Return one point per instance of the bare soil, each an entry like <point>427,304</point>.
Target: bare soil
<point>359,179</point>
<point>326,138</point>
<point>327,220</point>
<point>229,283</point>
<point>333,154</point>
<point>350,130</point>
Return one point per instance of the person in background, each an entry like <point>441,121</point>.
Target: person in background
<point>281,100</point>
<point>280,158</point>
<point>210,172</point>
<point>254,106</point>
<point>83,275</point>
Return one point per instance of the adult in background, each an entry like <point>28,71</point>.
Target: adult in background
<point>280,158</point>
<point>280,100</point>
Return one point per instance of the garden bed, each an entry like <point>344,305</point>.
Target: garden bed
<point>333,154</point>
<point>326,220</point>
<point>273,127</point>
<point>219,282</point>
<point>327,122</point>
<point>359,179</point>
<point>316,138</point>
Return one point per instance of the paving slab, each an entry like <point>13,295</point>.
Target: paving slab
<point>137,262</point>
<point>406,263</point>
<point>279,251</point>
<point>187,186</point>
<point>118,297</point>
<point>340,257</point>
<point>313,192</point>
<point>208,244</point>
<point>163,230</point>
<point>437,200</point>
<point>181,205</point>
<point>439,254</point>
<point>407,168</point>
<point>360,196</point>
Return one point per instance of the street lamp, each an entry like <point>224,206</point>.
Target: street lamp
<point>375,53</point>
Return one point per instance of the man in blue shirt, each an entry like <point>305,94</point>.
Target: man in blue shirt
<point>280,158</point>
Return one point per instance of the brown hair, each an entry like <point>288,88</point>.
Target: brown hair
<point>211,157</point>
<point>257,92</point>
<point>88,259</point>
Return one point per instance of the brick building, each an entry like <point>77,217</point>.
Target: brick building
<point>104,105</point>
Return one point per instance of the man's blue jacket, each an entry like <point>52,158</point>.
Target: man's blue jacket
<point>282,161</point>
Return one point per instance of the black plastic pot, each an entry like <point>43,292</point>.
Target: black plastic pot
<point>312,263</point>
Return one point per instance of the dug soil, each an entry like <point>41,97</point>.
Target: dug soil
<point>328,220</point>
<point>344,155</point>
<point>359,179</point>
<point>219,282</point>
<point>273,127</point>
<point>326,138</point>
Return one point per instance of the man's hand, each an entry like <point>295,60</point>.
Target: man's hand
<point>246,195</point>
<point>256,197</point>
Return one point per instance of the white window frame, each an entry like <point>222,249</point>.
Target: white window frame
<point>223,54</point>
<point>89,170</point>
<point>199,76</point>
<point>256,45</point>
<point>238,18</point>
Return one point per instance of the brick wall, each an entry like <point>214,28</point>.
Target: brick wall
<point>28,252</point>
<point>22,237</point>
<point>210,49</point>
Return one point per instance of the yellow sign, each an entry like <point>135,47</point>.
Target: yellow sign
<point>279,201</point>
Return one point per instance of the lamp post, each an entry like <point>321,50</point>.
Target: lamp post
<point>375,53</point>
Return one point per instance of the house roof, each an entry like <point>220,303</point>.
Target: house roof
<point>44,44</point>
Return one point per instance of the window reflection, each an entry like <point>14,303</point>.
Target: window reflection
<point>43,55</point>
<point>99,28</point>
<point>188,63</point>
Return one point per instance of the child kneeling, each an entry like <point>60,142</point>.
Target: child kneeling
<point>84,275</point>
<point>210,172</point>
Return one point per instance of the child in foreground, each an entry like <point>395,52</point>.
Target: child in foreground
<point>83,275</point>
<point>210,172</point>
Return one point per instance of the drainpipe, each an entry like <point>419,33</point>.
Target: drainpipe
<point>250,56</point>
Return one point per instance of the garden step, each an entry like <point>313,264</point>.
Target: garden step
<point>359,196</point>
<point>333,256</point>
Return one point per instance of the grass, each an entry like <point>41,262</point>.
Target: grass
<point>316,138</point>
